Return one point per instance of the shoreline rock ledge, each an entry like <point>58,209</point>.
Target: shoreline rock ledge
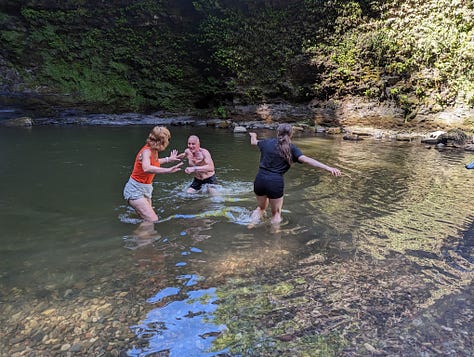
<point>353,118</point>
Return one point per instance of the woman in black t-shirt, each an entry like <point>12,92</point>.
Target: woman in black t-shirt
<point>276,157</point>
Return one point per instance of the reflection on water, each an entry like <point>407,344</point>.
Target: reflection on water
<point>183,327</point>
<point>200,280</point>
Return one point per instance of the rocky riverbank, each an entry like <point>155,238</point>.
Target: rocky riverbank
<point>361,125</point>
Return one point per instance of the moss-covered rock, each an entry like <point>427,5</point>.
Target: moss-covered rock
<point>180,55</point>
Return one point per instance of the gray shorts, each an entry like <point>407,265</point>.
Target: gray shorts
<point>134,190</point>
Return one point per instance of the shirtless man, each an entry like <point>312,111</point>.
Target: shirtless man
<point>201,165</point>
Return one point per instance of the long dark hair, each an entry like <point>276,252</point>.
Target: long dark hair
<point>284,134</point>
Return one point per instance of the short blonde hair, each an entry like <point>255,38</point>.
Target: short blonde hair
<point>160,135</point>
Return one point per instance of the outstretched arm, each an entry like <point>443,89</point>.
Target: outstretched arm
<point>183,155</point>
<point>253,139</point>
<point>151,169</point>
<point>312,162</point>
<point>174,156</point>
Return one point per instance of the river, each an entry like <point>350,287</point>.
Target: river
<point>382,248</point>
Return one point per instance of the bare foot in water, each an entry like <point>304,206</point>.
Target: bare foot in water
<point>256,217</point>
<point>276,219</point>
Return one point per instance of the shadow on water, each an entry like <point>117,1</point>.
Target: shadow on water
<point>459,253</point>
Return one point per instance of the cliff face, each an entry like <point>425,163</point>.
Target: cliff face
<point>413,61</point>
<point>116,54</point>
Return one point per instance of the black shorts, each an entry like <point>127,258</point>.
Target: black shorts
<point>197,184</point>
<point>270,185</point>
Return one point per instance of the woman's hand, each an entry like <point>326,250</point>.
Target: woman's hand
<point>175,168</point>
<point>174,156</point>
<point>334,171</point>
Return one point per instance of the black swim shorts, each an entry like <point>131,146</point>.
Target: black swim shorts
<point>270,185</point>
<point>197,184</point>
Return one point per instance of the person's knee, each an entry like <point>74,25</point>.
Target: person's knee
<point>150,216</point>
<point>276,209</point>
<point>145,210</point>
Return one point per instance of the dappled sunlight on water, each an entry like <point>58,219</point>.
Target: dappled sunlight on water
<point>368,251</point>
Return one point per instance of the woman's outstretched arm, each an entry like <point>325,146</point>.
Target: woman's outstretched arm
<point>312,162</point>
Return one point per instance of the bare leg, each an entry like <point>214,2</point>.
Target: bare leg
<point>146,230</point>
<point>191,190</point>
<point>276,205</point>
<point>258,213</point>
<point>144,209</point>
<point>212,190</point>
<point>145,233</point>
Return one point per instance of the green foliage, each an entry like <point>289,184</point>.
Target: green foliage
<point>127,58</point>
<point>469,93</point>
<point>89,83</point>
<point>258,50</point>
<point>4,18</point>
<point>220,112</point>
<point>10,37</point>
<point>417,47</point>
<point>172,55</point>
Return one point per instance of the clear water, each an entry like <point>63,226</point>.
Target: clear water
<point>65,228</point>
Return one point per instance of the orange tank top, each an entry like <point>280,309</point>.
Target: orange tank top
<point>138,174</point>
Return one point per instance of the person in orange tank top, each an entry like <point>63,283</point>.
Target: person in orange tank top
<point>139,188</point>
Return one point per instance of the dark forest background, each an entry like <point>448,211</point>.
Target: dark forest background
<point>179,55</point>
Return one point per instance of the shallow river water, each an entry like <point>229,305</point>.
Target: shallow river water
<point>75,276</point>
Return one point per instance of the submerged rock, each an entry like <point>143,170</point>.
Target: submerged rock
<point>352,137</point>
<point>240,129</point>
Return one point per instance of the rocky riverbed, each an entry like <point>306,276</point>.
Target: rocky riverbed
<point>378,308</point>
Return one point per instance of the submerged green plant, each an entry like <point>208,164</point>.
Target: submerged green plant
<point>258,317</point>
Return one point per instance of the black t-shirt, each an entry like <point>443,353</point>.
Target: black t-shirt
<point>270,158</point>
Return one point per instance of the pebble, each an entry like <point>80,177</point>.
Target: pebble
<point>48,311</point>
<point>65,347</point>
<point>76,347</point>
